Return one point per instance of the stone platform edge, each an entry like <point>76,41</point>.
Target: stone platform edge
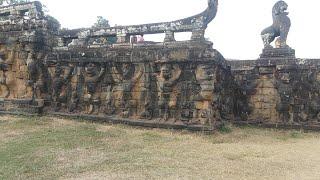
<point>114,120</point>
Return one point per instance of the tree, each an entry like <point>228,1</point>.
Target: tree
<point>10,2</point>
<point>101,23</point>
<point>53,22</point>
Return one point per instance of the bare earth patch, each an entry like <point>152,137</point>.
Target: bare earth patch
<point>80,157</point>
<point>55,148</point>
<point>7,118</point>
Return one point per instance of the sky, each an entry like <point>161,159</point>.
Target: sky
<point>235,31</point>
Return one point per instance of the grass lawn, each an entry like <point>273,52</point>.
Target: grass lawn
<point>53,148</point>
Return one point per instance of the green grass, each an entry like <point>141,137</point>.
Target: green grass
<point>225,128</point>
<point>53,148</point>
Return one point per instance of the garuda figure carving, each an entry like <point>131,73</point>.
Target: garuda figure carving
<point>285,91</point>
<point>126,76</point>
<point>61,83</point>
<point>167,81</point>
<point>205,75</point>
<point>280,27</point>
<point>37,74</point>
<point>93,75</point>
<point>4,89</point>
<point>314,99</point>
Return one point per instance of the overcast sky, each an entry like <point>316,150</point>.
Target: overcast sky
<point>235,32</point>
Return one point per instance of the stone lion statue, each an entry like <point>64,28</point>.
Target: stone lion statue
<point>280,27</point>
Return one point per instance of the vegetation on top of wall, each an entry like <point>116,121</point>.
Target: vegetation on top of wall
<point>101,23</point>
<point>10,2</point>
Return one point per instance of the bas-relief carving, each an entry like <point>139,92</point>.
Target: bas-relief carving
<point>85,74</point>
<point>4,89</point>
<point>62,86</point>
<point>130,90</point>
<point>283,85</point>
<point>205,75</point>
<point>93,74</point>
<point>282,94</point>
<point>146,104</point>
<point>205,100</point>
<point>314,99</point>
<point>15,72</point>
<point>126,76</point>
<point>273,101</point>
<point>259,86</point>
<point>38,75</point>
<point>171,83</point>
<point>305,97</point>
<point>167,93</point>
<point>16,75</point>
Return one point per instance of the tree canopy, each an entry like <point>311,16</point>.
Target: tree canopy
<point>10,2</point>
<point>101,22</point>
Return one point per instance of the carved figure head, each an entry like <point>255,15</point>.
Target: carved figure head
<point>285,77</point>
<point>280,8</point>
<point>126,70</point>
<point>205,72</point>
<point>208,53</point>
<point>165,71</point>
<point>40,55</point>
<point>59,71</point>
<point>91,69</point>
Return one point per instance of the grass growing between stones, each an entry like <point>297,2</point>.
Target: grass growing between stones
<point>53,148</point>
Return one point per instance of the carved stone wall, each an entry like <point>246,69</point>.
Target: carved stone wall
<point>100,75</point>
<point>26,36</point>
<point>178,83</point>
<point>169,84</point>
<point>282,92</point>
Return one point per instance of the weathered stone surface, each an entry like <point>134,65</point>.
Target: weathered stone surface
<point>281,93</point>
<point>196,24</point>
<point>99,74</point>
<point>281,88</point>
<point>279,53</point>
<point>84,73</point>
<point>280,27</point>
<point>176,82</point>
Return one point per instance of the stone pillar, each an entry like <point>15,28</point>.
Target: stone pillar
<point>169,36</point>
<point>274,96</point>
<point>198,35</point>
<point>123,37</point>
